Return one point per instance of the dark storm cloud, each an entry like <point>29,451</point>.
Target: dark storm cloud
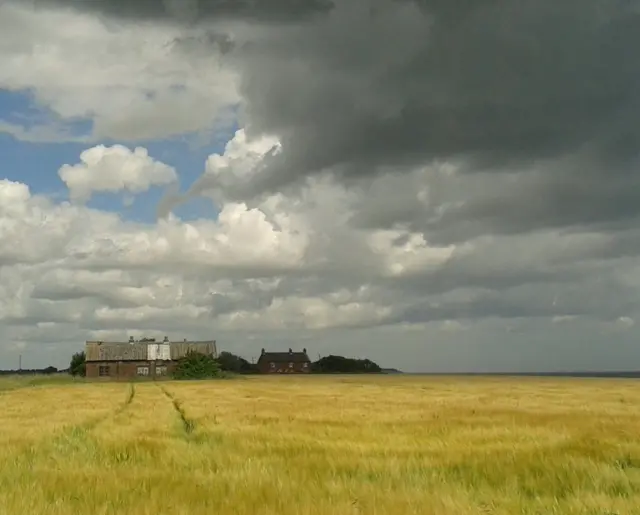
<point>495,85</point>
<point>195,10</point>
<point>543,92</point>
<point>530,300</point>
<point>596,196</point>
<point>498,84</point>
<point>400,81</point>
<point>557,204</point>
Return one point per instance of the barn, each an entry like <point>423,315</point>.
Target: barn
<point>284,362</point>
<point>144,359</point>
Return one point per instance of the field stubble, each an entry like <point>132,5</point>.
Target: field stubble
<point>322,445</point>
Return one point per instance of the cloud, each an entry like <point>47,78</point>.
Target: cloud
<point>128,82</point>
<point>530,106</point>
<point>292,266</point>
<point>495,85</point>
<point>192,11</point>
<point>43,133</point>
<point>436,185</point>
<point>375,231</point>
<point>223,173</point>
<point>540,94</point>
<point>114,169</point>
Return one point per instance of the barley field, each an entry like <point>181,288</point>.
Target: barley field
<point>321,445</point>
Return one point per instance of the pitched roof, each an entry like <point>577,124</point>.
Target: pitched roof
<point>284,357</point>
<point>180,349</point>
<point>115,351</point>
<point>122,351</point>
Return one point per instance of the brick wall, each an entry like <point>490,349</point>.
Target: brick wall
<point>283,368</point>
<point>128,370</point>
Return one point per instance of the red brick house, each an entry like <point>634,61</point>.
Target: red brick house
<point>284,362</point>
<point>144,359</point>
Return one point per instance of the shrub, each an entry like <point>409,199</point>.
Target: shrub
<point>341,365</point>
<point>197,366</point>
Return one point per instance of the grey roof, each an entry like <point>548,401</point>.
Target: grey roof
<point>180,349</point>
<point>284,357</point>
<point>122,351</point>
<point>115,351</point>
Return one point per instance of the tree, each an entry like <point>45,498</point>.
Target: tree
<point>77,366</point>
<point>195,365</point>
<point>341,365</point>
<point>232,363</point>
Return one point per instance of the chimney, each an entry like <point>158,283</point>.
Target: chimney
<point>262,352</point>
<point>290,351</point>
<point>304,350</point>
<point>130,339</point>
<point>166,339</point>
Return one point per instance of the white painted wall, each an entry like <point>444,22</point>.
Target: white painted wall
<point>160,351</point>
<point>164,351</point>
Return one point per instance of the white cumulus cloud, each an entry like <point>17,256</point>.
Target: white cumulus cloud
<point>114,169</point>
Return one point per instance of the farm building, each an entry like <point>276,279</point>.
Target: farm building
<point>284,362</point>
<point>143,359</point>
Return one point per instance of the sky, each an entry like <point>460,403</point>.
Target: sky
<point>437,186</point>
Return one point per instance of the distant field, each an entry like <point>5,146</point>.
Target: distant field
<point>321,445</point>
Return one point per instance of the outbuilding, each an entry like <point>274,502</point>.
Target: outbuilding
<point>144,359</point>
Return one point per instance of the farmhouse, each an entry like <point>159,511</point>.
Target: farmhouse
<point>144,359</point>
<point>284,362</point>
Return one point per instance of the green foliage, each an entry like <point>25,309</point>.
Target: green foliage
<point>196,365</point>
<point>77,366</point>
<point>235,364</point>
<point>341,365</point>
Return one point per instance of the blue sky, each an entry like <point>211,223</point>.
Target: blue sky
<point>37,164</point>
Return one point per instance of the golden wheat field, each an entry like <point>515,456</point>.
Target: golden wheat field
<point>321,445</point>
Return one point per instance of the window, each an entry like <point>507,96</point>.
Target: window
<point>272,365</point>
<point>161,371</point>
<point>290,365</point>
<point>103,370</point>
<point>305,365</point>
<point>143,371</point>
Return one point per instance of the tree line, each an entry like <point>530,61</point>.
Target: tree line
<point>195,365</point>
<point>331,364</point>
<point>30,371</point>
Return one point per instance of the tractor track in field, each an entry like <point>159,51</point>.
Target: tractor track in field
<point>188,425</point>
<point>95,422</point>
